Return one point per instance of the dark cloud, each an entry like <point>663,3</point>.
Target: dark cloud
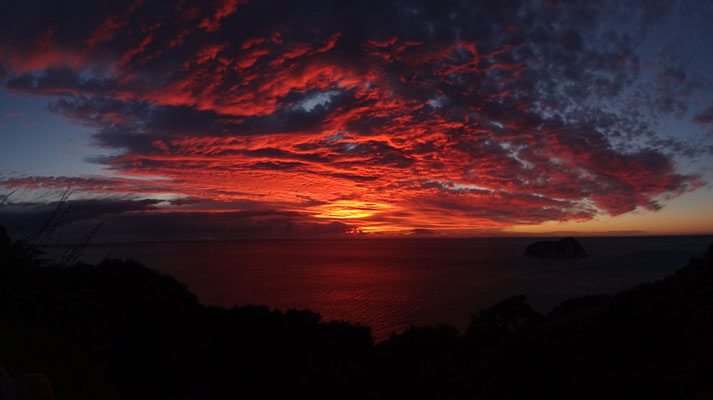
<point>704,117</point>
<point>131,220</point>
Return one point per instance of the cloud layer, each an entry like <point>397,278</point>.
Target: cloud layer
<point>372,116</point>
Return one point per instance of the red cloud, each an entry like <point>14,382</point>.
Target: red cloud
<point>411,130</point>
<point>227,7</point>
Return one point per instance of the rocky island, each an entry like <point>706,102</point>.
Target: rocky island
<point>567,247</point>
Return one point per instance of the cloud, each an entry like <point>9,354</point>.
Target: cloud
<point>457,114</point>
<point>132,220</point>
<point>704,117</point>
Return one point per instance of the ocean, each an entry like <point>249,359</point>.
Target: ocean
<point>391,284</point>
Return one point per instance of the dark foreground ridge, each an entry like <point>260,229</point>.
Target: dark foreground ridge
<point>118,330</point>
<point>567,247</point>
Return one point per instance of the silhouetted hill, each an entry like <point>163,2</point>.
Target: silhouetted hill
<point>118,330</point>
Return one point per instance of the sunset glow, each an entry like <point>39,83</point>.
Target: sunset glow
<point>350,209</point>
<point>302,120</point>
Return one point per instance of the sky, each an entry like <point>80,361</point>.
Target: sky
<point>173,119</point>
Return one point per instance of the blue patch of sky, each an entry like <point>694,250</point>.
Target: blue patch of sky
<point>35,142</point>
<point>316,99</point>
